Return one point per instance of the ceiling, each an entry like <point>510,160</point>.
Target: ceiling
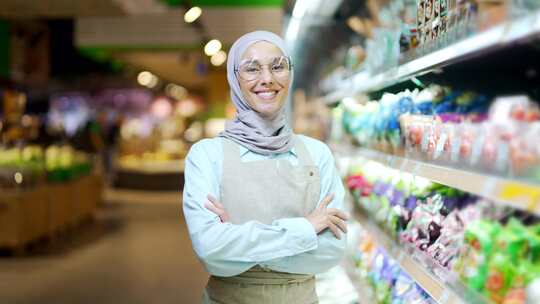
<point>151,34</point>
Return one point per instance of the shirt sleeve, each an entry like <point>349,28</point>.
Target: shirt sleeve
<point>330,250</point>
<point>227,249</point>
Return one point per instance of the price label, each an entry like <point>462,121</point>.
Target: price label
<point>528,196</point>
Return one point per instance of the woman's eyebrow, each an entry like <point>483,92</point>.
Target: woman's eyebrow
<point>256,61</point>
<point>250,61</point>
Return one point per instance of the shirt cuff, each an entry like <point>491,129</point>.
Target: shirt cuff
<point>302,231</point>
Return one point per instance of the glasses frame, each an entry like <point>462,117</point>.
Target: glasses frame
<point>237,70</point>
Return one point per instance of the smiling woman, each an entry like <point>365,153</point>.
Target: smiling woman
<point>264,86</point>
<point>263,205</point>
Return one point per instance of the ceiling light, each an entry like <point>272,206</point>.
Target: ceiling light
<point>192,14</point>
<point>218,58</point>
<point>153,82</point>
<point>144,78</point>
<point>212,47</point>
<point>147,79</point>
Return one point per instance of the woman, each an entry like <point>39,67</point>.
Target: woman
<point>263,205</point>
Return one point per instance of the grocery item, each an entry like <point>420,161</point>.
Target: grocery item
<point>452,128</point>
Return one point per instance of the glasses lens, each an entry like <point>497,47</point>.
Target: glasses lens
<point>250,71</point>
<point>281,67</point>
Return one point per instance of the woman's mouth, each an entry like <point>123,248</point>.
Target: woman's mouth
<point>267,95</point>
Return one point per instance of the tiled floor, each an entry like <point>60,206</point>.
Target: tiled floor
<point>132,253</point>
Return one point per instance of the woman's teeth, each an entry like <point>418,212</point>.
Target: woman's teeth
<point>267,95</point>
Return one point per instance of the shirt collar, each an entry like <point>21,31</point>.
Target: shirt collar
<point>244,151</point>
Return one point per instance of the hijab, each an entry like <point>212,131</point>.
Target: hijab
<point>263,135</point>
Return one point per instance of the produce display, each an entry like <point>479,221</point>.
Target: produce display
<point>64,163</point>
<point>459,129</point>
<point>494,250</point>
<point>28,165</point>
<point>145,141</point>
<point>390,283</point>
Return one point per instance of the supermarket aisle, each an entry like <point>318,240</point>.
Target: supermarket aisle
<point>135,253</point>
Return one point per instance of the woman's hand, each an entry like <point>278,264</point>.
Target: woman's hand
<point>333,219</point>
<point>215,206</point>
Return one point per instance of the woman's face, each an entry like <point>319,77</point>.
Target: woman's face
<point>264,77</point>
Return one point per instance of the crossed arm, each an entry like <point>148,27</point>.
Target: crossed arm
<point>308,244</point>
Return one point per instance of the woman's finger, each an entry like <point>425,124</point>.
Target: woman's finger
<point>213,208</point>
<point>334,229</point>
<point>336,212</point>
<point>340,223</point>
<point>324,203</point>
<point>215,201</point>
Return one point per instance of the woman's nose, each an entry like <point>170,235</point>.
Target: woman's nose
<point>266,76</point>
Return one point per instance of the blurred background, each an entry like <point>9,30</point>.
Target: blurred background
<point>102,99</point>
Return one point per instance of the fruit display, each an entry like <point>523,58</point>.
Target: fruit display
<point>493,250</point>
<point>389,282</point>
<point>21,166</point>
<point>458,129</point>
<point>64,163</point>
<point>27,166</point>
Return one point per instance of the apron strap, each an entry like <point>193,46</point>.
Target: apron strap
<point>231,154</point>
<point>304,158</point>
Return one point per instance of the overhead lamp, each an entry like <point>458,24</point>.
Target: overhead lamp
<point>218,58</point>
<point>192,14</point>
<point>212,47</point>
<point>153,83</point>
<point>147,79</point>
<point>144,78</point>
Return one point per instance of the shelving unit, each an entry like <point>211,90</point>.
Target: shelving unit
<point>513,193</point>
<point>497,37</point>
<point>509,38</point>
<point>443,288</point>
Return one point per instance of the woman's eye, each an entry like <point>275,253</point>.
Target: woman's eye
<point>252,69</point>
<point>278,68</point>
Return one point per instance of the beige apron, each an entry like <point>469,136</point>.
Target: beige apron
<point>265,191</point>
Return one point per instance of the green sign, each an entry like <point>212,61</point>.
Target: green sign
<point>4,48</point>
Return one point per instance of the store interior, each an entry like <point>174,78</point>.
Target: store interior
<point>431,109</point>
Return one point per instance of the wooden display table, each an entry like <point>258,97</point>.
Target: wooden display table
<point>23,216</point>
<point>27,215</point>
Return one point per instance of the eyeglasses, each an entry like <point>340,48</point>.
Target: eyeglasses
<point>280,67</point>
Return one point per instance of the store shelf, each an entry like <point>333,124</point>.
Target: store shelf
<point>517,194</point>
<point>497,37</point>
<point>444,288</point>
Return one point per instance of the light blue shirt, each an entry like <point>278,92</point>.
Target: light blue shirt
<point>287,245</point>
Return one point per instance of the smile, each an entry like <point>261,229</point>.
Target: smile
<point>266,94</point>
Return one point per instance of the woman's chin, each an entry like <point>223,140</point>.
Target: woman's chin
<point>267,109</point>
